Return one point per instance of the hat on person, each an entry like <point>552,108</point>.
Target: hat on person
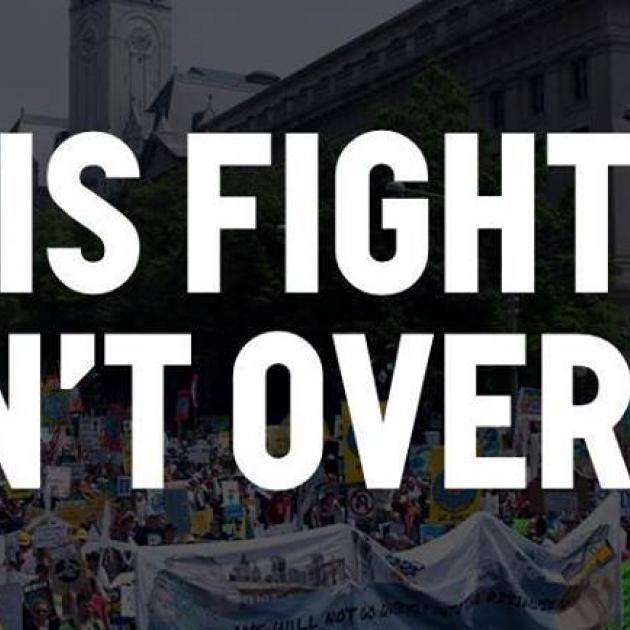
<point>24,539</point>
<point>81,535</point>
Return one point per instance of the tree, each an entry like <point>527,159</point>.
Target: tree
<point>253,299</point>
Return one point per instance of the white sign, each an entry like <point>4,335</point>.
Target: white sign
<point>11,607</point>
<point>59,480</point>
<point>432,438</point>
<point>560,501</point>
<point>89,432</point>
<point>50,536</point>
<point>199,454</point>
<point>155,503</point>
<point>128,602</point>
<point>231,493</point>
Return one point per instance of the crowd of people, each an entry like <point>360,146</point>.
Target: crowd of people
<point>69,548</point>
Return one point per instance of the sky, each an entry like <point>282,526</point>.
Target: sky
<point>240,35</point>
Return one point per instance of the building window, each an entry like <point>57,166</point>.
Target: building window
<point>369,63</point>
<point>579,72</point>
<point>301,100</point>
<point>321,90</point>
<point>497,109</point>
<point>537,95</point>
<point>425,37</point>
<point>283,110</point>
<point>397,49</point>
<point>344,77</point>
<point>456,19</point>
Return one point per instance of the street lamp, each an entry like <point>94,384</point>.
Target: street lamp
<point>399,189</point>
<point>514,305</point>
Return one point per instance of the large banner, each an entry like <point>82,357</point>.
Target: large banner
<point>352,464</point>
<point>480,575</point>
<point>449,506</point>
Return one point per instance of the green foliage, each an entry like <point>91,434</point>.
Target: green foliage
<point>253,298</point>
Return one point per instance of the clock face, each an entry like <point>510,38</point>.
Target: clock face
<point>140,40</point>
<point>88,40</point>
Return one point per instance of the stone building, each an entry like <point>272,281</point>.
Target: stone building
<point>528,65</point>
<point>122,81</point>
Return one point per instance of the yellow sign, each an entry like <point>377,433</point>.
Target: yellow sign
<point>19,495</point>
<point>225,439</point>
<point>449,506</point>
<point>200,522</point>
<point>278,440</point>
<point>127,456</point>
<point>350,451</point>
<point>352,463</point>
<point>80,513</point>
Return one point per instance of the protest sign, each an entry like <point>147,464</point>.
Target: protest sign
<point>11,607</point>
<point>489,442</point>
<point>123,487</point>
<point>431,531</point>
<point>127,454</point>
<point>50,536</point>
<point>353,472</point>
<point>225,441</point>
<point>128,602</point>
<point>278,440</point>
<point>177,510</point>
<point>361,503</point>
<point>533,457</point>
<point>352,464</point>
<point>77,471</point>
<point>201,521</point>
<point>3,557</point>
<point>113,429</point>
<point>55,407</point>
<point>624,496</point>
<point>432,438</point>
<point>231,500</point>
<point>18,495</point>
<point>559,501</point>
<point>79,513</point>
<point>58,481</point>
<point>419,461</point>
<point>528,417</point>
<point>199,454</point>
<point>155,502</point>
<point>449,506</point>
<point>89,432</point>
<point>529,404</point>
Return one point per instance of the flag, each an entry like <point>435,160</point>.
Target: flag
<point>51,383</point>
<point>76,402</point>
<point>182,407</point>
<point>194,390</point>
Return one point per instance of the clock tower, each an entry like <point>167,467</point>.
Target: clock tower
<point>120,57</point>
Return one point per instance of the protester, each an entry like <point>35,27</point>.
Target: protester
<point>71,545</point>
